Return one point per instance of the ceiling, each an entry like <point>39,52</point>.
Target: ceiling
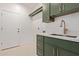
<point>31,6</point>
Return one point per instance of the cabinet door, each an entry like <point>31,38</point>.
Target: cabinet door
<point>46,12</point>
<point>40,46</point>
<point>63,52</point>
<point>70,6</point>
<point>55,9</point>
<point>49,50</point>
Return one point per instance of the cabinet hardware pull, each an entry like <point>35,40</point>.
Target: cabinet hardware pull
<point>53,51</point>
<point>63,6</point>
<point>18,30</point>
<point>59,7</point>
<point>57,52</point>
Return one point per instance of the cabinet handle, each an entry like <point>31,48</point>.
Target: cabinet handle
<point>59,7</point>
<point>18,30</point>
<point>53,51</point>
<point>63,7</point>
<point>57,52</point>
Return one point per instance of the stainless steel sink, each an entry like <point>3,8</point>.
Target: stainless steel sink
<point>65,35</point>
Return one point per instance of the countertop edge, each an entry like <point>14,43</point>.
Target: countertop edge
<point>60,37</point>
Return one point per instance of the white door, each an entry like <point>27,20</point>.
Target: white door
<point>23,26</point>
<point>10,29</point>
<point>1,31</point>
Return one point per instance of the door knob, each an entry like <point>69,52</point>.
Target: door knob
<point>18,30</point>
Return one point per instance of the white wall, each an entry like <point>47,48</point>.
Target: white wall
<point>24,22</point>
<point>31,6</point>
<point>38,26</point>
<point>14,7</point>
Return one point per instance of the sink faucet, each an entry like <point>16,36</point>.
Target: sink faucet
<point>65,29</point>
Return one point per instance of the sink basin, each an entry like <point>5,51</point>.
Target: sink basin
<point>65,35</point>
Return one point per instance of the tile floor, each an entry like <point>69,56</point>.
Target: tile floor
<point>24,50</point>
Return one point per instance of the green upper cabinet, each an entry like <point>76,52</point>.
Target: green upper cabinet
<point>46,12</point>
<point>59,9</point>
<point>70,7</point>
<point>52,10</point>
<point>55,9</point>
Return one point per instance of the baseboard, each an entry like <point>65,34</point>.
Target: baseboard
<point>10,47</point>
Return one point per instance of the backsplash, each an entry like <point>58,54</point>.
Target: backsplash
<point>71,20</point>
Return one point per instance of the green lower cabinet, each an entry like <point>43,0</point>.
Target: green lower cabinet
<point>40,49</point>
<point>63,52</point>
<point>49,46</point>
<point>49,50</point>
<point>40,52</point>
<point>40,45</point>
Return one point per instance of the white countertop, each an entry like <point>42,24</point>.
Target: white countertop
<point>60,37</point>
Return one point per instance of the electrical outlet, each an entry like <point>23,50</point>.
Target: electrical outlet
<point>44,31</point>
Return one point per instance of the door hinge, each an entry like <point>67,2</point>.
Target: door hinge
<point>1,28</point>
